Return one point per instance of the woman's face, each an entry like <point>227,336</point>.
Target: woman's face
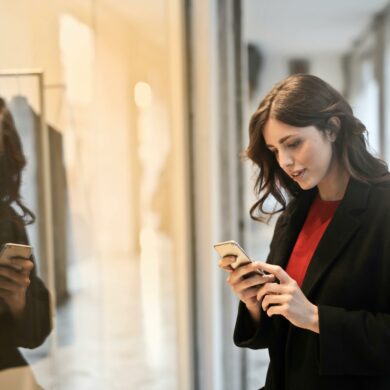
<point>304,153</point>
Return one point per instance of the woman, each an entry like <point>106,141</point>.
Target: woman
<point>25,319</point>
<point>323,309</point>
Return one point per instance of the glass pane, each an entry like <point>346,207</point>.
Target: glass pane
<point>101,189</point>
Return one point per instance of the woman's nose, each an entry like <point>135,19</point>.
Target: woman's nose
<point>285,160</point>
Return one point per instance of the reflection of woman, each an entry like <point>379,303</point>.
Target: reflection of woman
<point>26,320</point>
<point>323,310</point>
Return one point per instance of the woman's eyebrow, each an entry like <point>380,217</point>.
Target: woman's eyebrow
<point>283,139</point>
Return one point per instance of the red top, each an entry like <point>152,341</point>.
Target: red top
<point>320,214</point>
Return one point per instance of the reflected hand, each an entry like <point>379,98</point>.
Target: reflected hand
<point>287,299</point>
<point>14,282</point>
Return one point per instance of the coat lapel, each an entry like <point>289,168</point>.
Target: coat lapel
<point>340,230</point>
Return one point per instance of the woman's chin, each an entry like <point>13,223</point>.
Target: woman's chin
<point>305,185</point>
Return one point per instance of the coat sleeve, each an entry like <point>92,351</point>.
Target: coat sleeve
<point>31,330</point>
<point>246,334</point>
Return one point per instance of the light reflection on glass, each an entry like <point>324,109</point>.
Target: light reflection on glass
<point>156,246</point>
<point>142,94</point>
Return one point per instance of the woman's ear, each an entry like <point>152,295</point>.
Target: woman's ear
<point>330,135</point>
<point>335,122</point>
<point>333,127</point>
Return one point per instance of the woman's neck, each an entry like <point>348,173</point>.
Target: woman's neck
<point>333,187</point>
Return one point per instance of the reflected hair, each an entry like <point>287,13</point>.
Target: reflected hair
<point>12,163</point>
<point>305,100</point>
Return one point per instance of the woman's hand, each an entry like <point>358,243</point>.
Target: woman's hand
<point>245,282</point>
<point>14,282</point>
<point>287,299</point>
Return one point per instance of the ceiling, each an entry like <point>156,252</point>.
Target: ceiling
<point>299,27</point>
<point>291,27</point>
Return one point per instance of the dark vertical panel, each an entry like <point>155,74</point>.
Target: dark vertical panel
<point>190,109</point>
<point>231,171</point>
<point>379,60</point>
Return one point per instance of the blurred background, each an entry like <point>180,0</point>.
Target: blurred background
<point>133,115</point>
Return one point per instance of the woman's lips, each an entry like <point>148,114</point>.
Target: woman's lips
<point>298,175</point>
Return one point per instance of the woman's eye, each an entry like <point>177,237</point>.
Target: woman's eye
<point>294,144</point>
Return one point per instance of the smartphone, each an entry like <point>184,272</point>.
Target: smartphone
<point>11,250</point>
<point>232,248</point>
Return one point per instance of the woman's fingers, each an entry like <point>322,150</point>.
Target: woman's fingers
<point>7,285</point>
<point>246,280</point>
<point>253,280</point>
<point>248,294</point>
<point>270,288</point>
<point>22,264</point>
<point>225,262</point>
<point>14,284</point>
<point>274,299</point>
<point>275,270</point>
<point>277,309</point>
<point>244,270</point>
<point>251,285</point>
<point>10,277</point>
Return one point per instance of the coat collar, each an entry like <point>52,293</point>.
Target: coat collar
<point>344,224</point>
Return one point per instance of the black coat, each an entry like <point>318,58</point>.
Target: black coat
<point>34,327</point>
<point>349,279</point>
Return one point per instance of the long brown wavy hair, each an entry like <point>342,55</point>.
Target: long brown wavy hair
<point>12,163</point>
<point>305,100</point>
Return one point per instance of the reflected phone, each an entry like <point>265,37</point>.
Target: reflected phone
<point>11,250</point>
<point>233,248</point>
